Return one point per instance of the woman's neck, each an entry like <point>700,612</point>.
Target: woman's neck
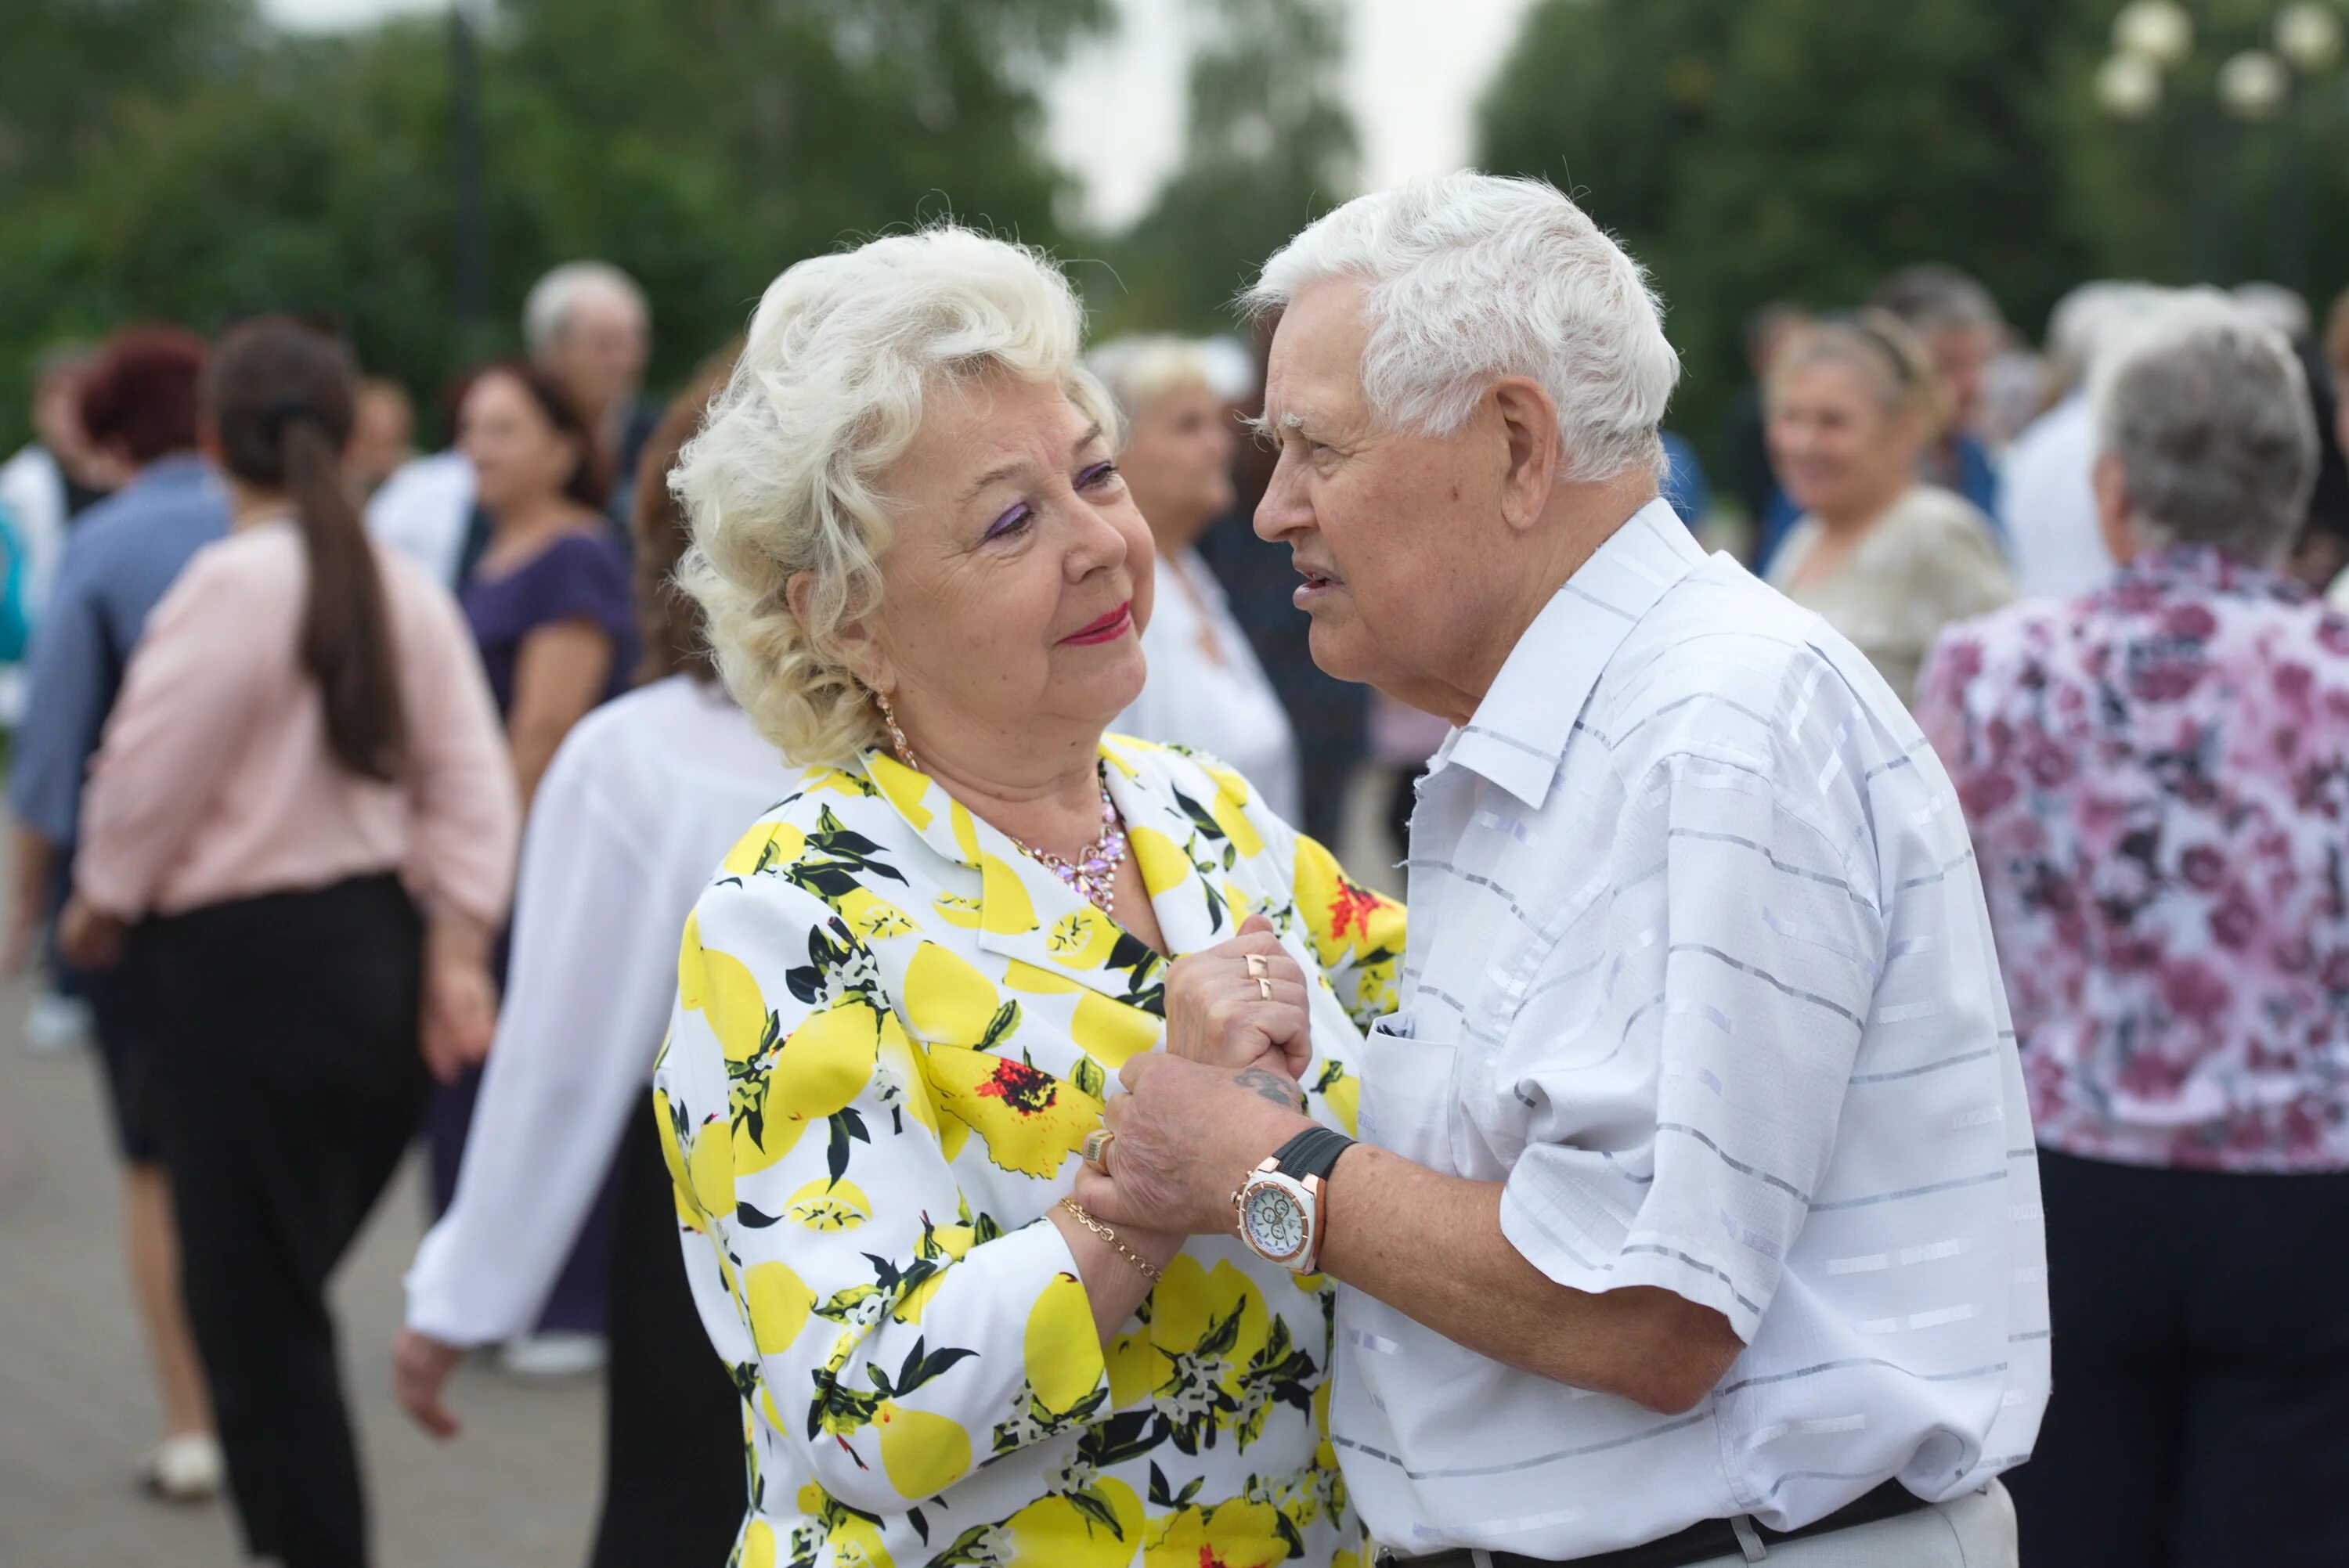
<point>250,504</point>
<point>530,519</point>
<point>1045,797</point>
<point>1863,513</point>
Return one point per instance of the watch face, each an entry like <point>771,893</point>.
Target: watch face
<point>1276,1221</point>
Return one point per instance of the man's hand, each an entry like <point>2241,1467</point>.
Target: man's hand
<point>88,939</point>
<point>1187,1136</point>
<point>1241,1004</point>
<point>420,1366</point>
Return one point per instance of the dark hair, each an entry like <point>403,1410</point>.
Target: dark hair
<point>590,483</point>
<point>677,641</point>
<point>278,396</point>
<point>141,393</point>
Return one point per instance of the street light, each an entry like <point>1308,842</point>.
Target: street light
<point>2158,32</point>
<point>2128,87</point>
<point>2308,36</point>
<point>2253,85</point>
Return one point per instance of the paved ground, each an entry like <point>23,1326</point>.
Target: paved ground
<point>77,1409</point>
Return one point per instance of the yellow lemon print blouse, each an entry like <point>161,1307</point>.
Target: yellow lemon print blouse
<point>892,1031</point>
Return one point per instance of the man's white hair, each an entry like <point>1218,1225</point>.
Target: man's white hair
<point>546,311</point>
<point>1472,277</point>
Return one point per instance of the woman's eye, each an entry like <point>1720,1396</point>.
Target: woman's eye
<point>1096,476</point>
<point>1010,522</point>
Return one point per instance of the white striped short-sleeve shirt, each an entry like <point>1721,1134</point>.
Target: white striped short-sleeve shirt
<point>1699,969</point>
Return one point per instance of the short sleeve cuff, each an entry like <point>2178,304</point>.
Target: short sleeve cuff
<point>1538,1222</point>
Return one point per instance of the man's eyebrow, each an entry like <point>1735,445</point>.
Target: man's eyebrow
<point>1270,429</point>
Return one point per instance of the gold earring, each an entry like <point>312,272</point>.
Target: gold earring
<point>896,736</point>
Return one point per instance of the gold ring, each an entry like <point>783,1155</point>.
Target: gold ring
<point>1264,986</point>
<point>1256,965</point>
<point>1096,1149</point>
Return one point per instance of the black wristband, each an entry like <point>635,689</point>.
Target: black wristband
<point>1311,1152</point>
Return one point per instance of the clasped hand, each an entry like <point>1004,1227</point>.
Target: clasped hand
<point>1223,1094</point>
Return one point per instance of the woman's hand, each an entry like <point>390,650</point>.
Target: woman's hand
<point>420,1366</point>
<point>87,939</point>
<point>460,1000</point>
<point>1241,1004</point>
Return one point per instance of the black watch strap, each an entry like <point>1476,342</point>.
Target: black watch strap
<point>1311,1152</point>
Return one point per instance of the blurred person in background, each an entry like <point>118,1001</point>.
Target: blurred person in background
<point>61,473</point>
<point>645,797</point>
<point>2322,550</point>
<point>382,443</point>
<point>1686,489</point>
<point>425,507</point>
<point>302,820</point>
<point>1205,688</point>
<point>2155,775</point>
<point>1745,435</point>
<point>139,407</point>
<point>587,325</point>
<point>2052,535</point>
<point>1888,559</point>
<point>1959,326</point>
<point>552,613</point>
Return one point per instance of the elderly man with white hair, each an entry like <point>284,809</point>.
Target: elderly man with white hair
<point>587,325</point>
<point>2155,774</point>
<point>1694,1216</point>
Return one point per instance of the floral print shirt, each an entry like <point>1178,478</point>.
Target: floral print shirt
<point>2156,779</point>
<point>892,1031</point>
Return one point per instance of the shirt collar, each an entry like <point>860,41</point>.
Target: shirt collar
<point>1518,735</point>
<point>180,470</point>
<point>2202,565</point>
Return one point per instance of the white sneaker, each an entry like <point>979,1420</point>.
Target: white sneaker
<point>555,1354</point>
<point>185,1469</point>
<point>55,1024</point>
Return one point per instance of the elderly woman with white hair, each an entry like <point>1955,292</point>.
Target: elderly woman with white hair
<point>1205,688</point>
<point>2156,773</point>
<point>902,994</point>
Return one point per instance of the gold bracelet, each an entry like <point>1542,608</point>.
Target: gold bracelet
<point>1149,1270</point>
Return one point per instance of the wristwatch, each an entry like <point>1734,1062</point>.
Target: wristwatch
<point>1277,1209</point>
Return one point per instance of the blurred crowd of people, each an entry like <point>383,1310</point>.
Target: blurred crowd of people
<point>362,792</point>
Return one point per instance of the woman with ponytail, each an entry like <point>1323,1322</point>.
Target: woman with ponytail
<point>298,835</point>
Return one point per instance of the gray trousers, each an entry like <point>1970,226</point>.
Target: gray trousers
<point>1976,1531</point>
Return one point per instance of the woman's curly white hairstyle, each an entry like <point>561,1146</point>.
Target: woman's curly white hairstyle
<point>841,354</point>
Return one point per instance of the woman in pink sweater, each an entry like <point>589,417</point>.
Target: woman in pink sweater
<point>302,818</point>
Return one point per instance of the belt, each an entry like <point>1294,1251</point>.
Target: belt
<point>1739,1537</point>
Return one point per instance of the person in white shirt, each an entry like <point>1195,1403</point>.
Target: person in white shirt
<point>646,795</point>
<point>2046,504</point>
<point>1206,690</point>
<point>1695,1217</point>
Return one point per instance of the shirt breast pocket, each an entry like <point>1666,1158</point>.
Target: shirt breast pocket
<point>1410,1093</point>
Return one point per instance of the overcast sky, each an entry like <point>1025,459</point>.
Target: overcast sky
<point>1413,72</point>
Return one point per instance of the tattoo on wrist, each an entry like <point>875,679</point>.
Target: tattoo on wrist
<point>1269,1085</point>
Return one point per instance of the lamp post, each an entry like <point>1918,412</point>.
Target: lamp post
<point>468,257</point>
<point>2253,86</point>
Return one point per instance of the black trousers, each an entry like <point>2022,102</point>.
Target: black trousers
<point>674,1486</point>
<point>289,1082</point>
<point>2200,1418</point>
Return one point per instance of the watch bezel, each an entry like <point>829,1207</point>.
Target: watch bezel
<point>1305,1194</point>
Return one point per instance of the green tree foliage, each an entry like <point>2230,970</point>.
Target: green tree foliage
<point>703,145</point>
<point>1269,147</point>
<point>1753,149</point>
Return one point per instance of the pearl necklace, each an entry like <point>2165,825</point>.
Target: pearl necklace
<point>1093,874</point>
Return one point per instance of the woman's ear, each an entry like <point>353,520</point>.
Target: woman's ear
<point>850,642</point>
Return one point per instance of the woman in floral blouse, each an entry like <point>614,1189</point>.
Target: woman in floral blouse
<point>905,993</point>
<point>2156,779</point>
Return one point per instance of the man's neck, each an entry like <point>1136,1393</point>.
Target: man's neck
<point>1577,522</point>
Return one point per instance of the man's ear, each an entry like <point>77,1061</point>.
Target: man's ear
<point>850,642</point>
<point>1528,424</point>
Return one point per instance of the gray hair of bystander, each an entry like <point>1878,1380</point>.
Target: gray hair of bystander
<point>1472,277</point>
<point>2207,408</point>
